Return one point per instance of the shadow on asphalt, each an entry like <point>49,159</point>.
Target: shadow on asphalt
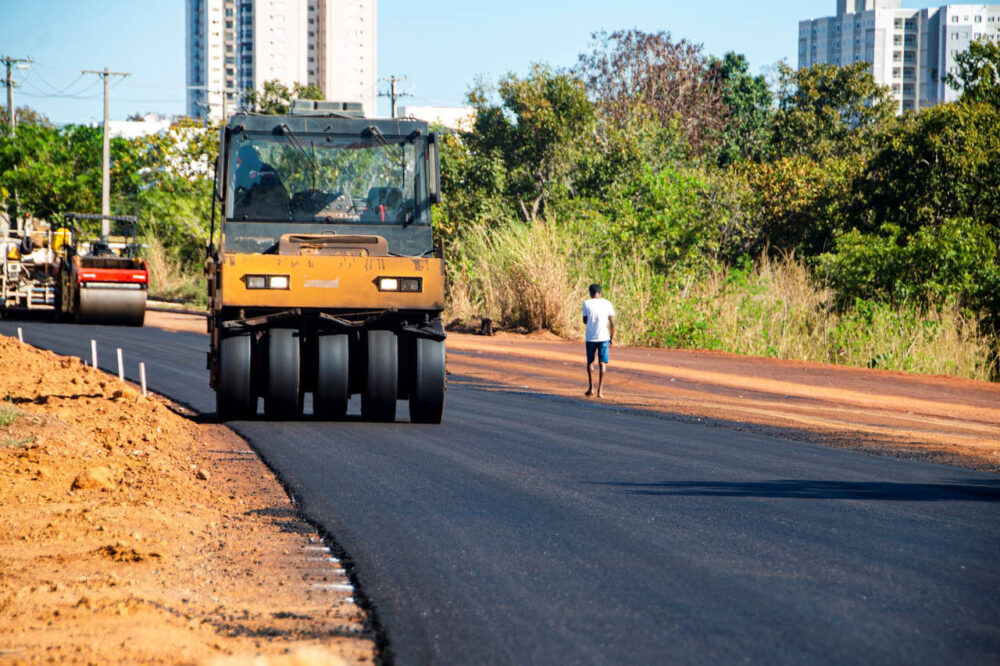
<point>43,315</point>
<point>962,491</point>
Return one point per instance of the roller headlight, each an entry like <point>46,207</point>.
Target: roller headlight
<point>266,281</point>
<point>410,284</point>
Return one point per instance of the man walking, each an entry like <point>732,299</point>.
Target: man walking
<point>599,316</point>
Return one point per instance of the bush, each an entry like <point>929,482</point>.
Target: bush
<point>937,263</point>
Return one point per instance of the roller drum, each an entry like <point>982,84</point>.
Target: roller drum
<point>110,305</point>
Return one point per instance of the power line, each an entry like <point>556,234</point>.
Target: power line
<point>55,90</point>
<point>39,93</point>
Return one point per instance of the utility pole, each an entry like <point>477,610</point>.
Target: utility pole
<point>21,63</point>
<point>106,156</point>
<point>392,94</point>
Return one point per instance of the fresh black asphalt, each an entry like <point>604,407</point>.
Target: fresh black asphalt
<point>534,530</point>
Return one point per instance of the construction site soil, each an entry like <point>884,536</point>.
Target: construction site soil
<point>133,531</point>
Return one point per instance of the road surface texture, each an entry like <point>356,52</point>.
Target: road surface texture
<point>536,529</point>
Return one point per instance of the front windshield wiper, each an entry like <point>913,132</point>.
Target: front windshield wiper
<point>382,141</point>
<point>292,139</point>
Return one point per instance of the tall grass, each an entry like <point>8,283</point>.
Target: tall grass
<point>535,276</point>
<point>170,278</point>
<point>519,276</point>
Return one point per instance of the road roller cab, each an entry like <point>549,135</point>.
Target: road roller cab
<point>325,279</point>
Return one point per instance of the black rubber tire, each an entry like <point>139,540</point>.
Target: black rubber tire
<point>427,395</point>
<point>234,396</point>
<point>378,400</point>
<point>332,373</point>
<point>283,395</point>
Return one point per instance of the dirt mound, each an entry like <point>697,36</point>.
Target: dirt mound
<point>133,533</point>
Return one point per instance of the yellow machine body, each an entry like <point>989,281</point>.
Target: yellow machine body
<point>330,282</point>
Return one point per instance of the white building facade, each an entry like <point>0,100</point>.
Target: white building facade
<point>235,45</point>
<point>909,50</point>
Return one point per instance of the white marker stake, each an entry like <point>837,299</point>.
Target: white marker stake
<point>20,335</point>
<point>121,366</point>
<point>142,378</point>
<point>93,353</point>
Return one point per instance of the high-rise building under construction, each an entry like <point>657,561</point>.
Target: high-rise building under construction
<point>235,45</point>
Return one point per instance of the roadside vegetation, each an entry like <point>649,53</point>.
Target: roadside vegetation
<point>797,219</point>
<point>795,216</point>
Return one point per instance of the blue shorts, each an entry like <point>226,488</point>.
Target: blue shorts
<point>601,348</point>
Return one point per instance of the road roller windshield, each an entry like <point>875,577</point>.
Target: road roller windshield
<point>367,178</point>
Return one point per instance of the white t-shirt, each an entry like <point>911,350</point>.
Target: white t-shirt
<point>598,311</point>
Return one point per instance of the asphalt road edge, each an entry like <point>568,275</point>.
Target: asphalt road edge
<point>383,647</point>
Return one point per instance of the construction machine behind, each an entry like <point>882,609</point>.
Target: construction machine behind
<point>102,281</point>
<point>29,265</point>
<point>326,280</point>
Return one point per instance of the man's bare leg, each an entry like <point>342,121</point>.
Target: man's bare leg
<point>600,380</point>
<point>590,381</point>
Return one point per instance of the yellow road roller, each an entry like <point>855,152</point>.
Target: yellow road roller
<point>325,279</point>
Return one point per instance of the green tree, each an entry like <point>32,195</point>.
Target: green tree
<point>795,204</point>
<point>52,170</point>
<point>473,185</point>
<point>943,163</point>
<point>977,72</point>
<point>747,99</point>
<point>541,128</point>
<point>24,115</point>
<point>827,110</point>
<point>954,259</point>
<point>925,220</point>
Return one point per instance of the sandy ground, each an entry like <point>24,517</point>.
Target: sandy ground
<point>133,533</point>
<point>942,419</point>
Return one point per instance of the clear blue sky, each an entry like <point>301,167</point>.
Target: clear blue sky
<point>441,46</point>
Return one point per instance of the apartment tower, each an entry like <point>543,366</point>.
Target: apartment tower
<point>909,50</point>
<point>236,45</point>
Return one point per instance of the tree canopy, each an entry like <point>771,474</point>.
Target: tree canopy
<point>977,72</point>
<point>829,110</point>
<point>631,73</point>
<point>746,134</point>
<point>541,127</point>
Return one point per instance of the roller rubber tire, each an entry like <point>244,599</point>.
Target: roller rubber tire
<point>427,396</point>
<point>283,395</point>
<point>234,397</point>
<point>332,391</point>
<point>378,401</point>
